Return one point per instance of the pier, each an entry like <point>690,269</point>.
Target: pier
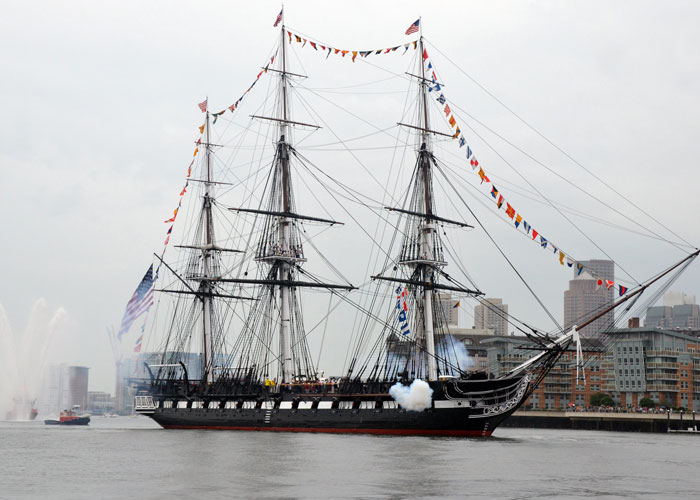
<point>676,422</point>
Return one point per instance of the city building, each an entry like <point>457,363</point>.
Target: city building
<point>472,339</point>
<point>678,312</point>
<point>448,309</point>
<point>663,365</point>
<point>77,393</point>
<point>628,364</point>
<point>585,297</point>
<point>492,314</point>
<point>138,369</point>
<point>64,387</point>
<point>100,403</point>
<point>51,395</point>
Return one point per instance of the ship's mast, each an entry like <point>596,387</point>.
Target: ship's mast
<point>428,225</point>
<point>205,284</point>
<point>280,248</point>
<point>283,155</point>
<point>421,250</point>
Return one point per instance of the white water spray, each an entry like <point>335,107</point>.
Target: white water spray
<point>23,356</point>
<point>416,397</point>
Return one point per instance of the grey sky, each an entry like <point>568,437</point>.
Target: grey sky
<point>99,107</point>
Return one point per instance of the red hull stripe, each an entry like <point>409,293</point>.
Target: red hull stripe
<point>330,430</point>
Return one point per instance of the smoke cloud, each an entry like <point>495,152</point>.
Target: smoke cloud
<point>457,354</point>
<point>416,397</point>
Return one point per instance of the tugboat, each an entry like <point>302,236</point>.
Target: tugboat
<point>70,417</point>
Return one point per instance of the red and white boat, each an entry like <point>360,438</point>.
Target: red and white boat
<point>70,417</point>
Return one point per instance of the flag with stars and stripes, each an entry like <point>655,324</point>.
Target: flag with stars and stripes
<point>140,302</point>
<point>413,28</point>
<point>277,21</point>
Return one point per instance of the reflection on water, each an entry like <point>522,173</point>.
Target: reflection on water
<point>132,458</point>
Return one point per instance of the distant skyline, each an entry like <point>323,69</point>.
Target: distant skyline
<point>100,105</point>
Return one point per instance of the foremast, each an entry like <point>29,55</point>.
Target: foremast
<point>205,284</point>
<point>427,228</point>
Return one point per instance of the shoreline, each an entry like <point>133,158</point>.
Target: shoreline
<point>604,421</point>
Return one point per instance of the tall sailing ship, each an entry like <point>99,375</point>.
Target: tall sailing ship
<point>404,374</point>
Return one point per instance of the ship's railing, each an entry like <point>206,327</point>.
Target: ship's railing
<point>144,404</point>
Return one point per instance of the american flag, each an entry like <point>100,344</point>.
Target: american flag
<point>203,105</point>
<point>137,347</point>
<point>413,28</point>
<point>279,18</point>
<point>140,302</point>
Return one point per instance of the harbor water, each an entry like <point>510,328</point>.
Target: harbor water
<point>130,457</point>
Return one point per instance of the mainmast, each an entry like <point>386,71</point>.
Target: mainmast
<point>281,254</point>
<point>205,286</point>
<point>284,237</point>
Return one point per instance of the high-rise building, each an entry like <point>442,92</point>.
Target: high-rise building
<point>77,393</point>
<point>64,387</point>
<point>51,396</point>
<point>585,297</point>
<point>679,312</point>
<point>448,309</point>
<point>492,314</point>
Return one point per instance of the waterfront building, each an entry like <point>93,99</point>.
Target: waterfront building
<point>585,297</point>
<point>560,387</point>
<point>472,339</point>
<point>663,365</point>
<point>100,402</point>
<point>492,314</point>
<point>130,372</point>
<point>628,364</point>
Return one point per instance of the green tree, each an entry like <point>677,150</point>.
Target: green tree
<point>667,403</point>
<point>647,403</point>
<point>601,399</point>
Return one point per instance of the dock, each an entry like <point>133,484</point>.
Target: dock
<point>675,422</point>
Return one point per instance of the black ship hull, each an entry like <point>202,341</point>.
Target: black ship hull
<point>74,421</point>
<point>453,411</point>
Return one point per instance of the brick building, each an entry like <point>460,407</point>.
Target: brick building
<point>629,364</point>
